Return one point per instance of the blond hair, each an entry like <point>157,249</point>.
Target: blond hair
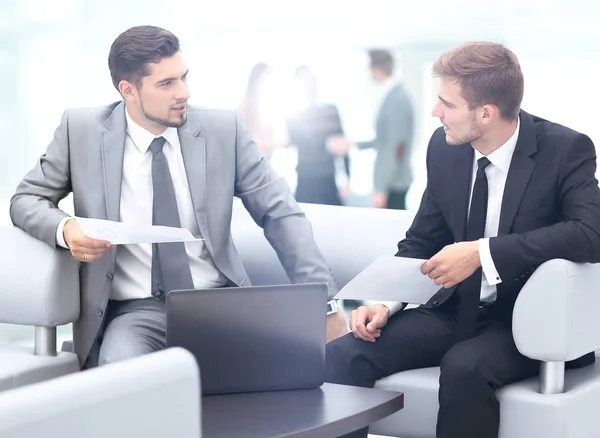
<point>488,73</point>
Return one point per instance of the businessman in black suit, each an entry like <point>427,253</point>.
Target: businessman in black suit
<point>506,191</point>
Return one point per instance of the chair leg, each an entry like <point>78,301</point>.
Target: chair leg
<point>45,341</point>
<point>552,377</point>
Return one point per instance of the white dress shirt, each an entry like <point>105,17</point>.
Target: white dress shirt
<point>496,174</point>
<point>132,277</point>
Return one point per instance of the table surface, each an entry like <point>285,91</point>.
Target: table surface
<point>329,411</point>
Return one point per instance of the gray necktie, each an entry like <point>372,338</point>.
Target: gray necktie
<point>170,265</point>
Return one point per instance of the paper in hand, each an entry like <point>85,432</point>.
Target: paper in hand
<point>119,233</point>
<point>391,278</point>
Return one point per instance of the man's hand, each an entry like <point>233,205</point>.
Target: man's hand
<point>379,200</point>
<point>366,322</point>
<point>83,248</point>
<point>453,264</point>
<point>336,326</point>
<point>338,145</point>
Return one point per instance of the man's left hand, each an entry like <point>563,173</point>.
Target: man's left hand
<point>336,326</point>
<point>453,264</point>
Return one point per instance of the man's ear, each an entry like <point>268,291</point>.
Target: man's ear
<point>127,90</point>
<point>488,114</point>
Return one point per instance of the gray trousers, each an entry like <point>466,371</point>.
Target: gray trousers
<point>133,328</point>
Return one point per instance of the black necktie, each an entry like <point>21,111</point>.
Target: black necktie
<point>470,289</point>
<point>170,265</point>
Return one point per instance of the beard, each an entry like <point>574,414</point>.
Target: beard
<point>168,123</point>
<point>474,133</point>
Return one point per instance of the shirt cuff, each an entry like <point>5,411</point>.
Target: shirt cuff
<point>392,305</point>
<point>487,263</point>
<point>60,238</point>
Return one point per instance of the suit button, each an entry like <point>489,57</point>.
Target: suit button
<point>109,276</point>
<point>99,312</point>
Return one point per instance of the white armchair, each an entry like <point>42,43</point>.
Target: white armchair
<point>39,287</point>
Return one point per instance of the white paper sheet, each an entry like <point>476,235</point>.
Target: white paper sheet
<point>119,233</point>
<point>391,278</point>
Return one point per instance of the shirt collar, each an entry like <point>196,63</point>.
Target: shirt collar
<point>142,138</point>
<point>502,156</point>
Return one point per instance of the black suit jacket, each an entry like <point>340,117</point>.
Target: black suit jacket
<point>550,208</point>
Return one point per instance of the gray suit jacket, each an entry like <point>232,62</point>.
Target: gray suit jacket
<point>394,126</point>
<point>86,158</point>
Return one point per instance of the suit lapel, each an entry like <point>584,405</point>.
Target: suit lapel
<point>462,172</point>
<point>113,147</point>
<point>193,149</point>
<point>519,173</point>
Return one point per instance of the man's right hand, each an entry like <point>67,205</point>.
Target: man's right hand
<point>83,248</point>
<point>366,322</point>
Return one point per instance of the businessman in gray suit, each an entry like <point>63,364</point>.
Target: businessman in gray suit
<point>152,159</point>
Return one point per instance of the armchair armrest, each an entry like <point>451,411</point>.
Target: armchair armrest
<point>39,285</point>
<point>111,401</point>
<point>555,318</point>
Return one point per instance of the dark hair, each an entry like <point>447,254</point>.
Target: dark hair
<point>382,60</point>
<point>131,52</point>
<point>488,73</point>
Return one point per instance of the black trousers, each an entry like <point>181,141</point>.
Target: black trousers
<point>471,370</point>
<point>397,200</point>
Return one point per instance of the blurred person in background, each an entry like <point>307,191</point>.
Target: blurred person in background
<point>252,110</point>
<point>322,176</point>
<point>394,127</point>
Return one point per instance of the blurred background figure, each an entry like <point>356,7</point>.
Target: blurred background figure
<point>252,110</point>
<point>392,174</point>
<point>322,177</point>
<point>394,126</point>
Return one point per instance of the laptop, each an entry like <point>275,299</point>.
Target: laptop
<point>250,339</point>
